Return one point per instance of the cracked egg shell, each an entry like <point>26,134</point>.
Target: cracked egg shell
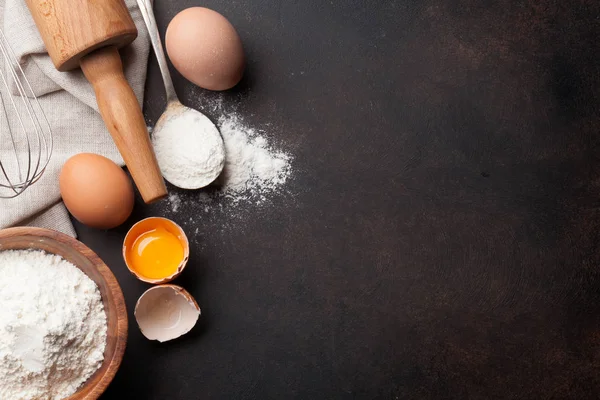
<point>150,245</point>
<point>166,312</point>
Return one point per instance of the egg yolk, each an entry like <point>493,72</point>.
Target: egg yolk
<point>156,254</point>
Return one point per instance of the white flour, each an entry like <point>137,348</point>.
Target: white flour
<point>253,167</point>
<point>52,326</point>
<point>188,150</point>
<point>175,201</point>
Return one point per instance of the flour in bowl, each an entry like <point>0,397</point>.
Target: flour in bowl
<point>52,326</point>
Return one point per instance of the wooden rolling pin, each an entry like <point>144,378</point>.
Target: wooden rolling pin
<point>88,34</point>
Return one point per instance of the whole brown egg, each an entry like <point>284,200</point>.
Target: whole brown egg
<point>96,191</point>
<point>205,48</point>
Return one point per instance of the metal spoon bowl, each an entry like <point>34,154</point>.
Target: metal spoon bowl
<point>207,164</point>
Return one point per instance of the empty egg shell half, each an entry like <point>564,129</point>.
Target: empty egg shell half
<point>166,312</point>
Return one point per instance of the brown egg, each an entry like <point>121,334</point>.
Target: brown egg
<point>96,191</point>
<point>205,48</point>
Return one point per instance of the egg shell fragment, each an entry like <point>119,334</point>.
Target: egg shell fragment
<point>166,312</point>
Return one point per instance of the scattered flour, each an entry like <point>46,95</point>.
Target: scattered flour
<point>52,326</point>
<point>253,169</point>
<point>252,166</point>
<point>175,201</point>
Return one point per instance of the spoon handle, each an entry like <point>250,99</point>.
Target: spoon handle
<point>148,14</point>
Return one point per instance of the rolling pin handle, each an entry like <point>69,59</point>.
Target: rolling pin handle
<point>124,119</point>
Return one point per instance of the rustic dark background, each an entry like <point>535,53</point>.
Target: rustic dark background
<point>439,238</point>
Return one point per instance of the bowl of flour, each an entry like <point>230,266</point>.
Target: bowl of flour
<point>63,321</point>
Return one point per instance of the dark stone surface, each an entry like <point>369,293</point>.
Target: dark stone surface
<point>439,239</point>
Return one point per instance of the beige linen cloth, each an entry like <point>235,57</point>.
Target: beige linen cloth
<point>70,106</point>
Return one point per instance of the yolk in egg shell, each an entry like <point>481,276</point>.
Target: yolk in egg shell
<point>156,253</point>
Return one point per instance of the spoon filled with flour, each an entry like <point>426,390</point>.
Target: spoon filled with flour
<point>188,146</point>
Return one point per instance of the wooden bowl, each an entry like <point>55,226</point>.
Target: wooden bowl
<point>114,304</point>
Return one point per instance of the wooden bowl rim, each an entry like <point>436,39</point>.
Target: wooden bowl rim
<point>102,382</point>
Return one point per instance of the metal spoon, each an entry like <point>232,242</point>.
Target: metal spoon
<point>194,169</point>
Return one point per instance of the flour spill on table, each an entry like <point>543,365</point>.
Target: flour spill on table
<point>255,168</point>
<point>175,201</point>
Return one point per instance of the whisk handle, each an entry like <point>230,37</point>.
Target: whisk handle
<point>123,117</point>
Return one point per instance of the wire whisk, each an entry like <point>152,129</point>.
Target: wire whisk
<point>25,134</point>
